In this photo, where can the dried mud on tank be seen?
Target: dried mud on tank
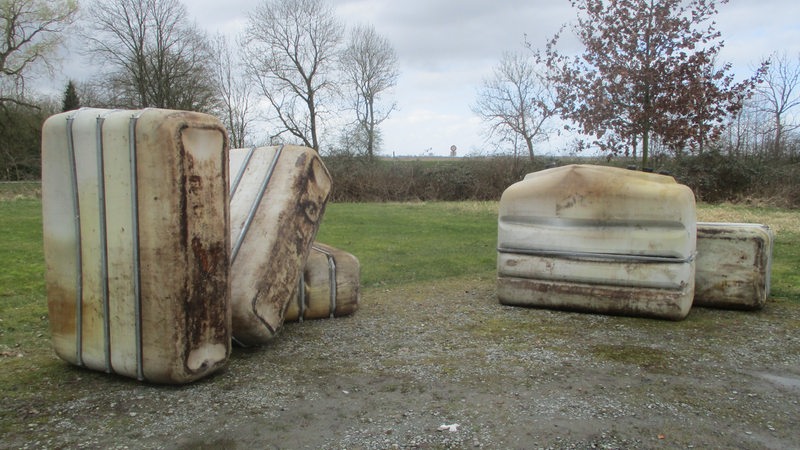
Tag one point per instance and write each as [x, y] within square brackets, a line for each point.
[418, 357]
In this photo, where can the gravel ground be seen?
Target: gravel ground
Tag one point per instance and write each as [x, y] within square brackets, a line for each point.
[444, 365]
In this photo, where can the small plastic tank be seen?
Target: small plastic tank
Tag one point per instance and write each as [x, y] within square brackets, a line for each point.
[330, 285]
[734, 261]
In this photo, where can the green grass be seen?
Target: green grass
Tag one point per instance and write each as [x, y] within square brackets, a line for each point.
[25, 353]
[409, 242]
[22, 302]
[786, 267]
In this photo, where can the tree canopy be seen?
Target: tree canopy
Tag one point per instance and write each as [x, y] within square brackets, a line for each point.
[649, 68]
[71, 100]
[32, 31]
[369, 64]
[517, 101]
[291, 52]
[153, 55]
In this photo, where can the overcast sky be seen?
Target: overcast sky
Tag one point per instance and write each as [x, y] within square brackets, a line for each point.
[446, 47]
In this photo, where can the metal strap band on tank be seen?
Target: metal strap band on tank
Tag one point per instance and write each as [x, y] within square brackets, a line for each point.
[76, 213]
[768, 245]
[332, 282]
[256, 203]
[239, 174]
[596, 256]
[331, 277]
[101, 203]
[137, 294]
[301, 298]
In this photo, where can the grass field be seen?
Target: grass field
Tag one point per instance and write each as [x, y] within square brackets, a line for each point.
[398, 244]
[22, 299]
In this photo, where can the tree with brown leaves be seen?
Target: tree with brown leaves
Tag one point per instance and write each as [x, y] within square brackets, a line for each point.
[648, 70]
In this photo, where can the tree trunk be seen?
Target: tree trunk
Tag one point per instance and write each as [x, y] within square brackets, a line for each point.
[778, 135]
[312, 118]
[370, 129]
[529, 144]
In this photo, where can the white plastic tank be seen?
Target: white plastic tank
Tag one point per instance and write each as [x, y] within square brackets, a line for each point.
[734, 261]
[278, 196]
[135, 207]
[598, 239]
[330, 285]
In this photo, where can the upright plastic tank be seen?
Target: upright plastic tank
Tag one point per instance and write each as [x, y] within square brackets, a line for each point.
[136, 247]
[734, 261]
[598, 239]
[278, 196]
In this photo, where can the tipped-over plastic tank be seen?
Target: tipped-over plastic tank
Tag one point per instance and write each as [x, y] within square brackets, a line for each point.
[330, 285]
[278, 196]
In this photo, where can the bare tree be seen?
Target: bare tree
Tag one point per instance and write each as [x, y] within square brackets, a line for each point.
[291, 48]
[156, 57]
[779, 95]
[369, 64]
[234, 92]
[516, 101]
[31, 32]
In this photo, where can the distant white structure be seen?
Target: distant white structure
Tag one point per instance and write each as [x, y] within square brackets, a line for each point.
[452, 151]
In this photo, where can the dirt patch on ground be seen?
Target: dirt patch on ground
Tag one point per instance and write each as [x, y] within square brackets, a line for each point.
[17, 190]
[443, 365]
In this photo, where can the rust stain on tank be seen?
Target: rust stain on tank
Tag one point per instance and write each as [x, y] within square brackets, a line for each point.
[195, 182]
[607, 300]
[205, 307]
[206, 300]
[569, 202]
[61, 310]
[207, 258]
[295, 234]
